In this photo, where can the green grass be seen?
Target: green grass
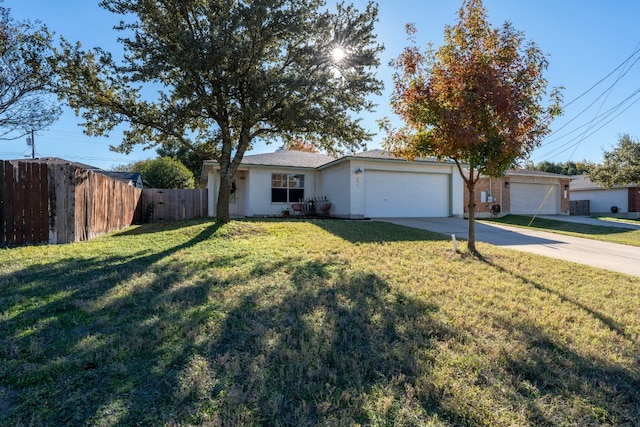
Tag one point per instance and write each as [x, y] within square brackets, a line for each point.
[624, 236]
[311, 323]
[635, 221]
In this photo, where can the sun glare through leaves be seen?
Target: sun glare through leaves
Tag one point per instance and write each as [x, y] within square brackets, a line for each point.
[338, 54]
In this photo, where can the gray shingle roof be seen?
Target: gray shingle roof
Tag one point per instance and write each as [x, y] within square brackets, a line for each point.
[126, 177]
[582, 182]
[530, 172]
[386, 155]
[289, 158]
[58, 161]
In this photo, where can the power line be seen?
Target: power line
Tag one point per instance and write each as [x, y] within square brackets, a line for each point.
[635, 52]
[602, 117]
[598, 118]
[622, 74]
[605, 92]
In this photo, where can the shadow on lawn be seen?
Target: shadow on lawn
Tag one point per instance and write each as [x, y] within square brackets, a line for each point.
[324, 354]
[316, 353]
[592, 391]
[161, 226]
[554, 369]
[58, 353]
[362, 232]
[604, 319]
[315, 343]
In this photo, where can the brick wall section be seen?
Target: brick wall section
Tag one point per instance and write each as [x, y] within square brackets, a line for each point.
[506, 195]
[494, 187]
[634, 199]
[500, 189]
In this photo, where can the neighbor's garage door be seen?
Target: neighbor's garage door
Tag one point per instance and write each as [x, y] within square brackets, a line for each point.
[527, 198]
[405, 194]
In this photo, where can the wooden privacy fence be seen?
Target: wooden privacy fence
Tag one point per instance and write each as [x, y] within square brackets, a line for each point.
[173, 205]
[103, 204]
[24, 203]
[61, 203]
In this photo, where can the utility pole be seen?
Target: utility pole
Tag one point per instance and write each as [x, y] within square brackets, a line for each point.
[32, 143]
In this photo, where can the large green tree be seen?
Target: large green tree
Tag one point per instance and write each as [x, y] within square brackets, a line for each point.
[227, 73]
[620, 166]
[26, 77]
[563, 168]
[163, 172]
[185, 155]
[476, 100]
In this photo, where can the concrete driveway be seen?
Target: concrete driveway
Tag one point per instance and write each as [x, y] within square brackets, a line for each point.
[610, 256]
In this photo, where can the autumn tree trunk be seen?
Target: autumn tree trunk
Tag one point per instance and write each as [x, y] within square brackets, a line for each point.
[477, 100]
[471, 230]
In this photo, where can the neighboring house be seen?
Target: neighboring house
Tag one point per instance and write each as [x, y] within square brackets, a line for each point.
[368, 184]
[59, 161]
[622, 199]
[521, 192]
[133, 179]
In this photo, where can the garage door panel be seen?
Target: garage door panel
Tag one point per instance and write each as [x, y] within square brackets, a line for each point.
[399, 194]
[528, 199]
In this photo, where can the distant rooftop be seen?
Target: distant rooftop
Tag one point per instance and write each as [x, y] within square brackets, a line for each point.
[582, 182]
[531, 172]
[132, 178]
[290, 158]
[57, 161]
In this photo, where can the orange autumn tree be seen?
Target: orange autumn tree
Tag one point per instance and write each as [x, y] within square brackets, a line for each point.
[299, 144]
[476, 101]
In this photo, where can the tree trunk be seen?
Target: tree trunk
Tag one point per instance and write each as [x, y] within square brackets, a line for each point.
[222, 204]
[471, 231]
[228, 168]
[224, 193]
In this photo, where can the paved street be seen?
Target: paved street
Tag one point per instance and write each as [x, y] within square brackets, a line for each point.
[610, 256]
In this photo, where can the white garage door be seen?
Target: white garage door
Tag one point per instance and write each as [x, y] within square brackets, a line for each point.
[527, 198]
[404, 194]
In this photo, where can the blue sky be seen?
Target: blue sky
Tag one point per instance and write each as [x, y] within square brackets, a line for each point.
[586, 41]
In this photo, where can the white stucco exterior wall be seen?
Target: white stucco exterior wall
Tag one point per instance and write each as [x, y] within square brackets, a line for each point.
[601, 200]
[334, 183]
[258, 192]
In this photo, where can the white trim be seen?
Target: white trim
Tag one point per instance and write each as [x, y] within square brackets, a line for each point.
[212, 192]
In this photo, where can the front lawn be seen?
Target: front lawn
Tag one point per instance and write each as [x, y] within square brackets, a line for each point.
[635, 221]
[311, 323]
[625, 236]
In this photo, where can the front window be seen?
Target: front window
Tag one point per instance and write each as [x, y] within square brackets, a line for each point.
[286, 187]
